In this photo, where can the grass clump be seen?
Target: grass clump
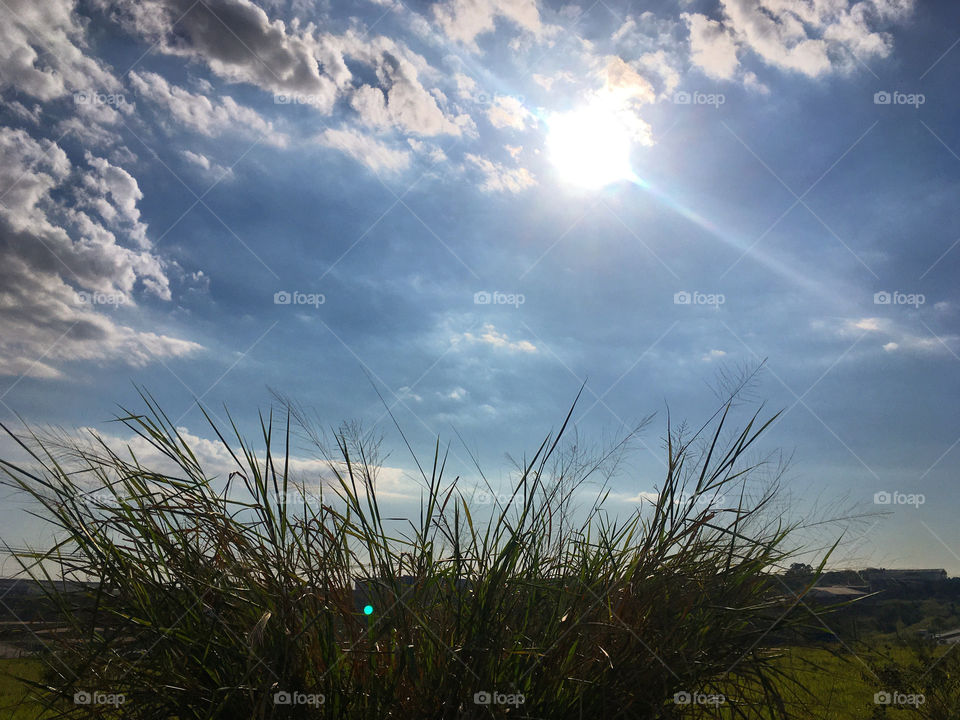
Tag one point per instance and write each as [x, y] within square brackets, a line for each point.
[224, 598]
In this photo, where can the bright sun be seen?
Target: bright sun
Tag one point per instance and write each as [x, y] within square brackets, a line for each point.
[590, 146]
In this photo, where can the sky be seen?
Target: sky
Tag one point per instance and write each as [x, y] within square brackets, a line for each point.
[473, 207]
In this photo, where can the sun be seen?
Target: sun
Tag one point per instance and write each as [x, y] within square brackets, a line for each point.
[590, 146]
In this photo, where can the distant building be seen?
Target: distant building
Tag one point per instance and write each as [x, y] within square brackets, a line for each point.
[879, 576]
[950, 637]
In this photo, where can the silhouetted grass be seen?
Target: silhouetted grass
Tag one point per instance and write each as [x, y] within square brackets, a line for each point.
[209, 596]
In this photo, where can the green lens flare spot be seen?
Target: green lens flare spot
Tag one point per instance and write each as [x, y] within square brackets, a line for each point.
[368, 609]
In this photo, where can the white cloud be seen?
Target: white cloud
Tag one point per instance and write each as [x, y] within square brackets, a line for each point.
[508, 111]
[210, 168]
[367, 150]
[712, 47]
[490, 336]
[434, 153]
[713, 355]
[498, 177]
[239, 43]
[61, 235]
[200, 113]
[464, 20]
[458, 393]
[899, 337]
[41, 51]
[811, 38]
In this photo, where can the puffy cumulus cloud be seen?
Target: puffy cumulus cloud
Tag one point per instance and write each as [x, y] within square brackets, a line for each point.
[813, 38]
[496, 177]
[200, 113]
[114, 193]
[42, 51]
[400, 100]
[238, 42]
[64, 247]
[368, 150]
[489, 335]
[712, 47]
[508, 111]
[625, 84]
[464, 20]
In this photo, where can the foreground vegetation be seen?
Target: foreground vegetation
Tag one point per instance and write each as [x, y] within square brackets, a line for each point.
[226, 598]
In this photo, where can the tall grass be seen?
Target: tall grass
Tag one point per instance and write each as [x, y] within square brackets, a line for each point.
[210, 596]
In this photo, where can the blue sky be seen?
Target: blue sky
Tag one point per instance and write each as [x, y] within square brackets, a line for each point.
[174, 170]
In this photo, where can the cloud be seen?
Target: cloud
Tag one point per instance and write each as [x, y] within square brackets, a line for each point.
[308, 474]
[41, 51]
[239, 43]
[65, 237]
[464, 20]
[898, 337]
[547, 81]
[368, 150]
[811, 38]
[200, 113]
[210, 168]
[713, 47]
[400, 100]
[490, 336]
[713, 355]
[507, 111]
[499, 178]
